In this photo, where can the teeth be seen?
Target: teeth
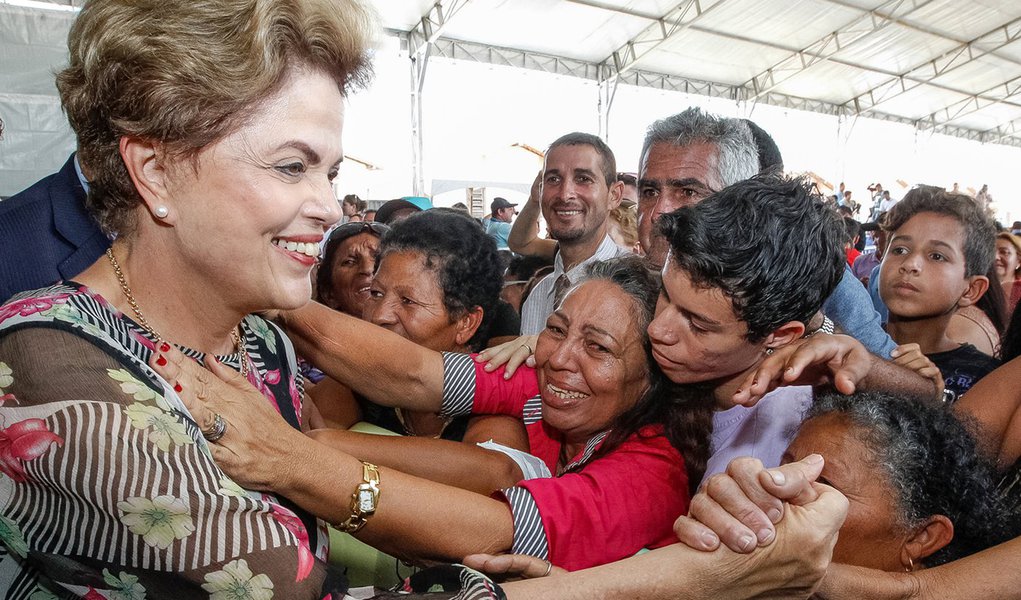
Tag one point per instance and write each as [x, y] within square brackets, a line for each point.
[306, 248]
[564, 394]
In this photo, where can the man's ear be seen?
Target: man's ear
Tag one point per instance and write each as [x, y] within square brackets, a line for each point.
[467, 325]
[785, 334]
[929, 537]
[144, 162]
[977, 285]
[616, 193]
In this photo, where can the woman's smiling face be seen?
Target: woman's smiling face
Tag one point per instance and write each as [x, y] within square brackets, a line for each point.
[591, 361]
[251, 209]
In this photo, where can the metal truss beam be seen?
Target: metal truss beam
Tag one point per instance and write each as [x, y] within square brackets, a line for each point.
[929, 70]
[430, 27]
[509, 57]
[680, 18]
[833, 59]
[1007, 133]
[827, 46]
[1004, 92]
[522, 59]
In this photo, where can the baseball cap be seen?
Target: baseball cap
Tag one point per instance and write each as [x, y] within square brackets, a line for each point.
[416, 203]
[499, 203]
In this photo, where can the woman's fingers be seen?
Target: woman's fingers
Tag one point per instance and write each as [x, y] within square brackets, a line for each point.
[740, 494]
[695, 535]
[793, 482]
[187, 377]
[740, 507]
[509, 355]
[767, 377]
[513, 565]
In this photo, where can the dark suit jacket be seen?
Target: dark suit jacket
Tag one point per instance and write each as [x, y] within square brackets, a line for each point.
[46, 234]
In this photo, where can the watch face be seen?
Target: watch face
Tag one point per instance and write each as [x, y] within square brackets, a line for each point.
[365, 501]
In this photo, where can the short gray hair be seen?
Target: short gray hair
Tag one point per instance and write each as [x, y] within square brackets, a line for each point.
[738, 155]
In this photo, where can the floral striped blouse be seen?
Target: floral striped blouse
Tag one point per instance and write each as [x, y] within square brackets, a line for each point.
[107, 487]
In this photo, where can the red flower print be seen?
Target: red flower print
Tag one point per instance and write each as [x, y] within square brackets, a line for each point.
[293, 524]
[292, 388]
[24, 440]
[30, 306]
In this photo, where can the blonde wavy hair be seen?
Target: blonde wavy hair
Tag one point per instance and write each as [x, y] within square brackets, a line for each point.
[186, 73]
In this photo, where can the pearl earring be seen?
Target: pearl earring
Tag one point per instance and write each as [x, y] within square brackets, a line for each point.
[162, 211]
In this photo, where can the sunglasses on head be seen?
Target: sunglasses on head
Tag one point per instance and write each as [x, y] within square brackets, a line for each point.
[354, 228]
[628, 178]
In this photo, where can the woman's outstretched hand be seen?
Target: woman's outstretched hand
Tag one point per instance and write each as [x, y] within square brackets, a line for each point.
[257, 449]
[511, 566]
[509, 355]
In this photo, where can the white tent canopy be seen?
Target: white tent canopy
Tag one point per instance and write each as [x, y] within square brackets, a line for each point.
[944, 66]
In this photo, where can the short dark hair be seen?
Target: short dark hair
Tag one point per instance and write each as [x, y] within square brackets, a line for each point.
[578, 138]
[463, 257]
[931, 461]
[979, 230]
[769, 243]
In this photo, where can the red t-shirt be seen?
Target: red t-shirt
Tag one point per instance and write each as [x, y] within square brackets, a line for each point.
[598, 510]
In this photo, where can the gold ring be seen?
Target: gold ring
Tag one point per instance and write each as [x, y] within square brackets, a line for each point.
[530, 351]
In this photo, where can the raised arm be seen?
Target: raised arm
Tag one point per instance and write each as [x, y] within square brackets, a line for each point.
[466, 466]
[839, 360]
[524, 235]
[372, 361]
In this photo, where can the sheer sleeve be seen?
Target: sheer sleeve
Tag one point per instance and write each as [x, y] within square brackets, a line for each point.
[108, 487]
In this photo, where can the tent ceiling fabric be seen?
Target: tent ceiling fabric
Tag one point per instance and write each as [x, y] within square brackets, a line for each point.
[949, 65]
[953, 66]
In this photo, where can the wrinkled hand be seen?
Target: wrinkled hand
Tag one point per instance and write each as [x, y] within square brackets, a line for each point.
[822, 359]
[510, 355]
[741, 506]
[511, 566]
[255, 449]
[794, 564]
[793, 541]
[910, 356]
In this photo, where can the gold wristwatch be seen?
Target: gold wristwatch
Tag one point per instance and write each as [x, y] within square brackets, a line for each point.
[364, 500]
